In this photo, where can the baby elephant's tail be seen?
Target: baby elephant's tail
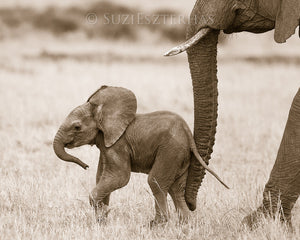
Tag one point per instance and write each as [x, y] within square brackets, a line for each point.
[197, 155]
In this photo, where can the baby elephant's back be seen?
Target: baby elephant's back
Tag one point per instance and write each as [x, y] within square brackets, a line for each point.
[158, 130]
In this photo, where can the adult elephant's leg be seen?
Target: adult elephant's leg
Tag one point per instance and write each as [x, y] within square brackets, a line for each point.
[283, 185]
[290, 196]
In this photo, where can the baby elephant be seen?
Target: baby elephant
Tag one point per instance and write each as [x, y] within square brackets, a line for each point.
[159, 144]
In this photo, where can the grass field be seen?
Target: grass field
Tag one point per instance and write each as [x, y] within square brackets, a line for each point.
[43, 77]
[43, 197]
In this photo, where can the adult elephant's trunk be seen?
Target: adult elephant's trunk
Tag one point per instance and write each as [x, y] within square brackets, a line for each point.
[59, 149]
[203, 66]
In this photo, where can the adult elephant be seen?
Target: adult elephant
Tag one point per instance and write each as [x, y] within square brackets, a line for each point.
[207, 19]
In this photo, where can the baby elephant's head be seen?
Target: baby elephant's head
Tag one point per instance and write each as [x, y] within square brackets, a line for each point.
[109, 109]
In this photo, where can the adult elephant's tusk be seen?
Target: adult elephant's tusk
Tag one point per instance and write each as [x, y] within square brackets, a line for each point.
[189, 43]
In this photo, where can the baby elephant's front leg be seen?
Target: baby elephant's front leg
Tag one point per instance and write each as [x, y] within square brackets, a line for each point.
[103, 206]
[106, 185]
[115, 175]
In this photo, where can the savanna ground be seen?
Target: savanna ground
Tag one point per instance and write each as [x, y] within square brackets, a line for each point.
[43, 77]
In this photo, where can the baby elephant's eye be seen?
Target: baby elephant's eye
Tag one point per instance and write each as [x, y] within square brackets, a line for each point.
[77, 128]
[76, 125]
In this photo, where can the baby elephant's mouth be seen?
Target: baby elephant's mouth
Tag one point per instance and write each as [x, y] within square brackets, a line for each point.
[70, 145]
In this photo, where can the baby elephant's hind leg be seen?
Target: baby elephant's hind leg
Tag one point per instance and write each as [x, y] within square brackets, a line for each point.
[160, 194]
[177, 193]
[160, 179]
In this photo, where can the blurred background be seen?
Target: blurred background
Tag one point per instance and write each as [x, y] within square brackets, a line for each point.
[54, 54]
[52, 29]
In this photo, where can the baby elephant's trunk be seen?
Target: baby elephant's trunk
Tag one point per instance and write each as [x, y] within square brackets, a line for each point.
[59, 149]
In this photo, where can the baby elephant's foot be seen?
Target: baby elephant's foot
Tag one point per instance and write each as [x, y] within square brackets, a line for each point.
[101, 219]
[183, 219]
[158, 222]
[101, 213]
[101, 210]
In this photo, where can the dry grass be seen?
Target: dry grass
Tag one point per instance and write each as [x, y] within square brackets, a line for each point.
[42, 197]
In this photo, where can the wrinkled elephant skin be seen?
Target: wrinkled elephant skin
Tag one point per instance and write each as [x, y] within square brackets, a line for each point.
[230, 16]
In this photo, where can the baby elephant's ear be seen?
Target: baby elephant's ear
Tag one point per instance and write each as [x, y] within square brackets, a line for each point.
[115, 109]
[287, 20]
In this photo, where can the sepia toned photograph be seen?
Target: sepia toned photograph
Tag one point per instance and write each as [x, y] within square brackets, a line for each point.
[176, 120]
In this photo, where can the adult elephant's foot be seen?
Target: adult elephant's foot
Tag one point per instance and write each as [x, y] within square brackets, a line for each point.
[277, 202]
[254, 218]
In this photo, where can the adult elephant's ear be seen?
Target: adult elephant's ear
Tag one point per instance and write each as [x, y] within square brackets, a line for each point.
[114, 110]
[287, 20]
